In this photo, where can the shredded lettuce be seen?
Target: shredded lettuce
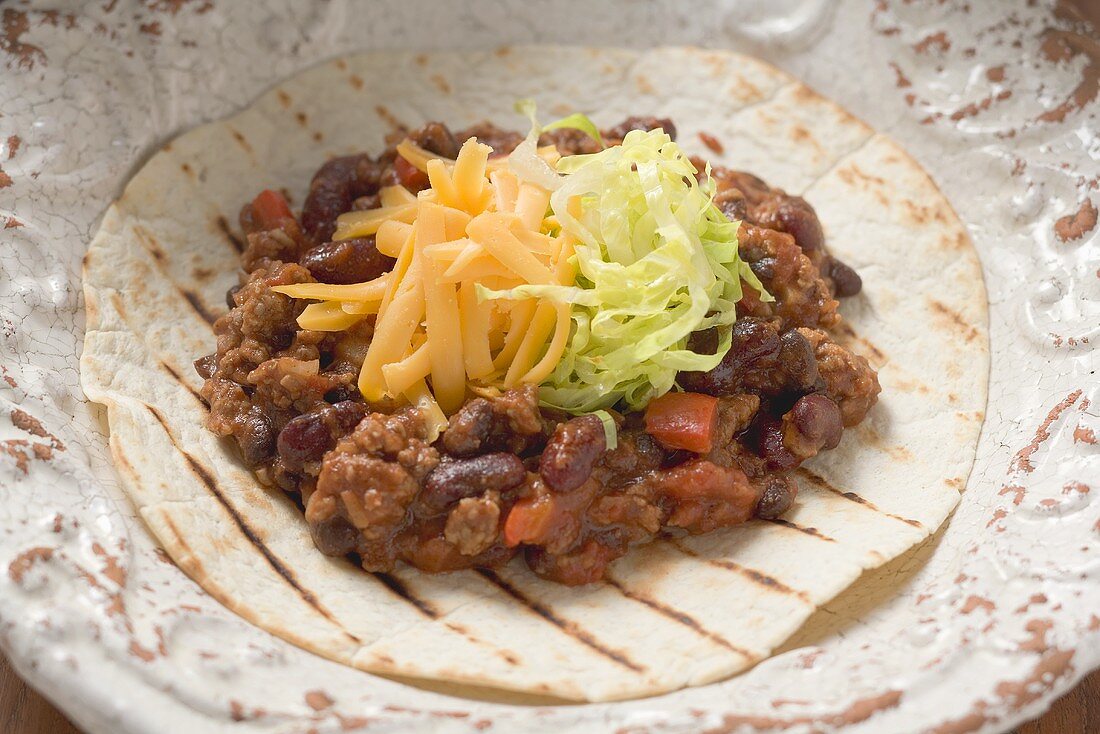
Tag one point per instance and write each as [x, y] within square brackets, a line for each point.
[577, 121]
[610, 430]
[656, 261]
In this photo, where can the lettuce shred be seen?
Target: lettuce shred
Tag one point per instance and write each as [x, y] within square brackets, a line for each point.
[656, 261]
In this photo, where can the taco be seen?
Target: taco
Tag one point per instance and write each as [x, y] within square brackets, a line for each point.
[586, 412]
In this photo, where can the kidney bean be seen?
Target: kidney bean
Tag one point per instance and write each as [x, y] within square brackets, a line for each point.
[469, 428]
[641, 123]
[334, 187]
[732, 203]
[409, 176]
[764, 268]
[437, 138]
[309, 436]
[796, 217]
[334, 536]
[813, 424]
[846, 281]
[572, 452]
[205, 366]
[256, 437]
[347, 261]
[753, 341]
[229, 296]
[796, 356]
[451, 481]
[779, 493]
[765, 435]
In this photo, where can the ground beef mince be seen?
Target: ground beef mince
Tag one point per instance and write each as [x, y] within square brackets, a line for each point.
[507, 477]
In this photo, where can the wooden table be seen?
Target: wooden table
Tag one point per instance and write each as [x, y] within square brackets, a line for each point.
[22, 711]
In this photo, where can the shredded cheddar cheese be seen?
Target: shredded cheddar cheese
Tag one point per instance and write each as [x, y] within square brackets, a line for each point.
[434, 340]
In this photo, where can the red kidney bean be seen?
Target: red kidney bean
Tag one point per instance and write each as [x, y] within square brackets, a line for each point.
[641, 123]
[846, 281]
[572, 452]
[779, 493]
[347, 261]
[334, 536]
[309, 436]
[255, 436]
[766, 436]
[796, 357]
[753, 341]
[453, 480]
[732, 203]
[437, 138]
[816, 419]
[409, 176]
[334, 187]
[469, 428]
[229, 296]
[796, 217]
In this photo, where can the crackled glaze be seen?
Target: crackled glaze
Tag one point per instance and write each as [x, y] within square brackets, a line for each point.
[978, 628]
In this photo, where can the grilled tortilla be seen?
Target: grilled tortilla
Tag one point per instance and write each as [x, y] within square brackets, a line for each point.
[673, 613]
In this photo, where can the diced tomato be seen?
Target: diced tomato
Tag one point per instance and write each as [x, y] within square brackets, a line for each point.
[683, 420]
[530, 521]
[536, 519]
[270, 209]
[409, 176]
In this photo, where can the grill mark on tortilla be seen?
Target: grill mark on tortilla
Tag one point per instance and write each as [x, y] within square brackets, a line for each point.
[577, 633]
[179, 378]
[757, 577]
[680, 618]
[954, 319]
[846, 329]
[204, 476]
[230, 235]
[153, 248]
[399, 589]
[198, 305]
[821, 482]
[812, 532]
[506, 655]
[241, 139]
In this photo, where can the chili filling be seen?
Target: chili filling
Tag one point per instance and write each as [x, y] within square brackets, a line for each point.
[507, 477]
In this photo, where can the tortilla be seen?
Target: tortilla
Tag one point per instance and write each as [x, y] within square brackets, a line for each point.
[674, 613]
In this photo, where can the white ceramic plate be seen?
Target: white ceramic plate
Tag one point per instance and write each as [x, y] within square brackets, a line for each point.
[977, 629]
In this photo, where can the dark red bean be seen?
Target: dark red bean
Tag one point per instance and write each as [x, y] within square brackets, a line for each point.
[436, 138]
[347, 261]
[732, 203]
[453, 480]
[766, 437]
[641, 123]
[334, 536]
[309, 436]
[469, 428]
[764, 268]
[572, 452]
[797, 218]
[779, 493]
[409, 176]
[753, 341]
[796, 356]
[205, 366]
[255, 436]
[333, 189]
[846, 281]
[818, 424]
